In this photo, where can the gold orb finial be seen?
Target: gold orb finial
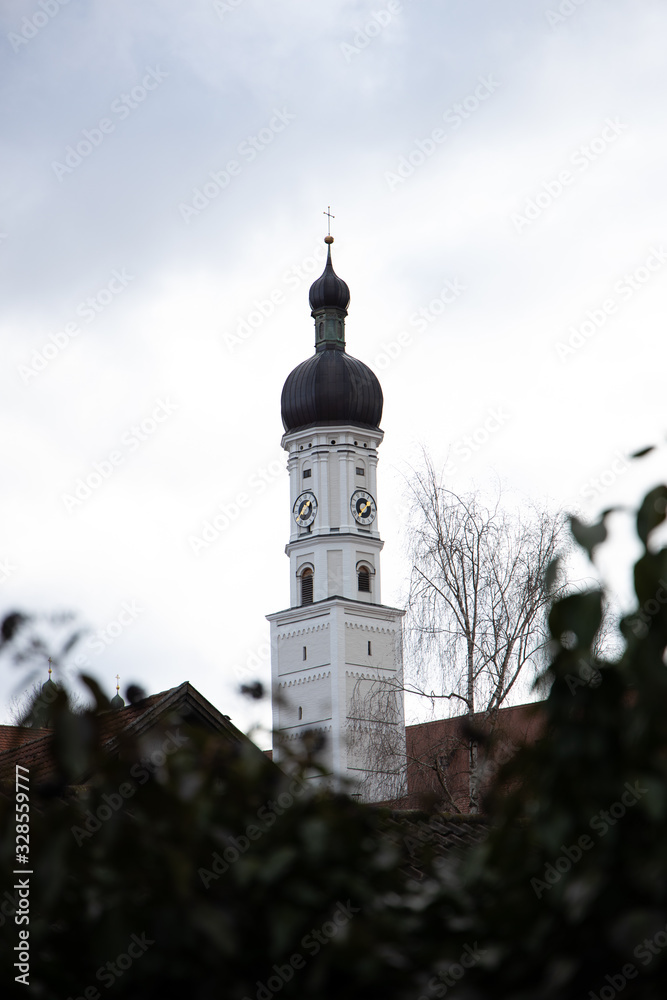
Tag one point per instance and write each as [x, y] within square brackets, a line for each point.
[328, 239]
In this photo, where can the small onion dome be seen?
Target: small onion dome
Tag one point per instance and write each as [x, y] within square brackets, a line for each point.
[329, 291]
[117, 701]
[331, 388]
[50, 689]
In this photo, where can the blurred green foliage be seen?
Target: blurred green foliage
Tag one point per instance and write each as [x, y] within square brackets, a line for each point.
[219, 876]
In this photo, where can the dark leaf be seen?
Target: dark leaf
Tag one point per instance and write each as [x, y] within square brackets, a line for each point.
[72, 641]
[551, 573]
[101, 699]
[588, 535]
[255, 690]
[643, 451]
[11, 624]
[134, 693]
[652, 512]
[577, 615]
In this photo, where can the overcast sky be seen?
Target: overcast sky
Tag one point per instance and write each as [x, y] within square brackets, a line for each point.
[497, 176]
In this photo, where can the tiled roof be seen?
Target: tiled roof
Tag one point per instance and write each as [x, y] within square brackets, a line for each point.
[113, 722]
[34, 750]
[13, 736]
[447, 836]
[35, 755]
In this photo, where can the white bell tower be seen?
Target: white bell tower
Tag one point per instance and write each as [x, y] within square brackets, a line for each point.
[336, 652]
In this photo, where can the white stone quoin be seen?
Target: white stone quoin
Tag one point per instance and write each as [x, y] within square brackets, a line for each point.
[336, 652]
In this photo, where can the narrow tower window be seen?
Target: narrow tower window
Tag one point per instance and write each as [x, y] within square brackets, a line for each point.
[307, 586]
[300, 713]
[364, 581]
[307, 473]
[305, 653]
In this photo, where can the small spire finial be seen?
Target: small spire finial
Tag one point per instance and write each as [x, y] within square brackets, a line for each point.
[50, 668]
[117, 683]
[328, 238]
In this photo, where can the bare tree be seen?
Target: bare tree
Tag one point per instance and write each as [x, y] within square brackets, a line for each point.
[478, 602]
[376, 736]
[476, 633]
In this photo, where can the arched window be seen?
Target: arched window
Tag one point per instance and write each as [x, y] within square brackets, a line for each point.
[300, 713]
[320, 331]
[307, 586]
[364, 579]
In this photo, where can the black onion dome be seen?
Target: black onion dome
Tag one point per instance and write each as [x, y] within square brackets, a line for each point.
[329, 291]
[331, 388]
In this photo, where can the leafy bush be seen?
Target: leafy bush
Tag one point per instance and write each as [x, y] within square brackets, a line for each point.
[215, 875]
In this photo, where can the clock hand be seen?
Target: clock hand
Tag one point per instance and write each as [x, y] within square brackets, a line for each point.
[304, 509]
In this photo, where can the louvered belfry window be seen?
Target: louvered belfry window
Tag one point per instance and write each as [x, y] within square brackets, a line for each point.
[307, 586]
[364, 580]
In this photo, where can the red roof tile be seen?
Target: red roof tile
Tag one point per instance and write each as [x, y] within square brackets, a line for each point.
[13, 736]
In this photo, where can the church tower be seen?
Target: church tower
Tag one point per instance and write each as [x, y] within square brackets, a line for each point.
[336, 652]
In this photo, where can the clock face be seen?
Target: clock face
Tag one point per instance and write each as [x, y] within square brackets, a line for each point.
[305, 509]
[363, 507]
